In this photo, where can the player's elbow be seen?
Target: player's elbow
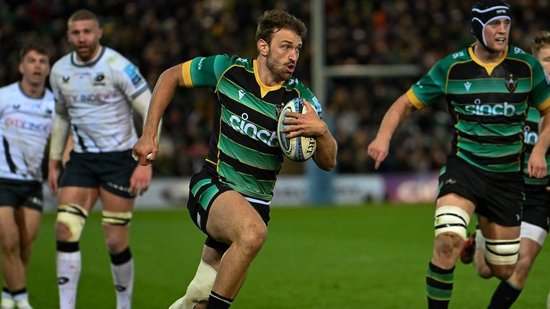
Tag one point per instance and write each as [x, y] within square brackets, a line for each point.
[328, 164]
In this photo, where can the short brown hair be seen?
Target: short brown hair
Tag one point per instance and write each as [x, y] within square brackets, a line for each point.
[275, 20]
[83, 15]
[540, 40]
[37, 47]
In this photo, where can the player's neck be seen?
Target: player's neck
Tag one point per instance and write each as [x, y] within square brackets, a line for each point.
[32, 90]
[487, 56]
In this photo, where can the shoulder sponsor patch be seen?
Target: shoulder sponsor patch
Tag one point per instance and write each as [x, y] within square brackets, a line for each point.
[133, 74]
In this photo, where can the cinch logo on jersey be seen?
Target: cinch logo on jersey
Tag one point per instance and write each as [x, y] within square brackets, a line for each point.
[31, 126]
[241, 125]
[529, 138]
[479, 109]
[89, 97]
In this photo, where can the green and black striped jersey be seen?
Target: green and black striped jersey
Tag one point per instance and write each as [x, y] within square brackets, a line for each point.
[488, 103]
[530, 137]
[244, 151]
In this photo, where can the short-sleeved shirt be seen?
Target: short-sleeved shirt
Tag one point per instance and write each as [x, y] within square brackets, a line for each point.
[488, 103]
[244, 151]
[25, 126]
[97, 97]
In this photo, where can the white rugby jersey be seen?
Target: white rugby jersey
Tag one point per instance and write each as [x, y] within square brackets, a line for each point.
[25, 126]
[97, 97]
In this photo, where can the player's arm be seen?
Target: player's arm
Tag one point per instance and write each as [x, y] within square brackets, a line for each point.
[58, 142]
[325, 154]
[163, 92]
[537, 166]
[398, 111]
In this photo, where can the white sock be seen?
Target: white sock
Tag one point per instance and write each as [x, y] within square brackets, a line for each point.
[22, 301]
[7, 301]
[69, 266]
[123, 279]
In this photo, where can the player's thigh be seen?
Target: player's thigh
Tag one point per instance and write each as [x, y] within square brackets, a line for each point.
[231, 216]
[116, 203]
[84, 197]
[493, 230]
[116, 216]
[8, 227]
[529, 249]
[29, 223]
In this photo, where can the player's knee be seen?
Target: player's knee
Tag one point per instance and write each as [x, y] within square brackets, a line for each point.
[253, 238]
[70, 222]
[503, 272]
[451, 220]
[502, 256]
[116, 218]
[116, 241]
[10, 245]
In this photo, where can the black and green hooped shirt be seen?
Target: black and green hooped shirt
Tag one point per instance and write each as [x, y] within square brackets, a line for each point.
[488, 103]
[244, 151]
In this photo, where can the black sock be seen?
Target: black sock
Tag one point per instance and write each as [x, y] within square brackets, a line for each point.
[439, 286]
[216, 301]
[505, 295]
[122, 257]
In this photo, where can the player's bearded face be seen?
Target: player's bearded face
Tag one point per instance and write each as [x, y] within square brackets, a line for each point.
[283, 54]
[84, 36]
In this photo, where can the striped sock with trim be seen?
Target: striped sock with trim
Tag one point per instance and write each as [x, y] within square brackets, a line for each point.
[439, 286]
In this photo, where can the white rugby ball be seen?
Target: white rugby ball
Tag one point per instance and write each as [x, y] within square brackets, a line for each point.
[299, 148]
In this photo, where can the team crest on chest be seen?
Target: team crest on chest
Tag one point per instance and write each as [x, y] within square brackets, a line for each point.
[278, 109]
[511, 83]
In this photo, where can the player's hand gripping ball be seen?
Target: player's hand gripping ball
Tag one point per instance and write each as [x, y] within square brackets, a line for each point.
[299, 148]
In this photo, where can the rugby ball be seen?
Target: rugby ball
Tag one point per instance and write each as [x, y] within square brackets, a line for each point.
[299, 148]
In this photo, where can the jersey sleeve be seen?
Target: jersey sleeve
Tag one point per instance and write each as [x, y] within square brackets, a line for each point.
[541, 88]
[128, 78]
[430, 88]
[60, 107]
[205, 71]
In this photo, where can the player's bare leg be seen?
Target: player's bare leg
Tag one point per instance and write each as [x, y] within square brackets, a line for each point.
[503, 242]
[234, 221]
[28, 222]
[452, 217]
[532, 239]
[74, 205]
[12, 266]
[116, 217]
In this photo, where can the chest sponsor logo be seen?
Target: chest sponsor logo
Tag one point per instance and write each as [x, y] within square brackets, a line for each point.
[243, 126]
[480, 109]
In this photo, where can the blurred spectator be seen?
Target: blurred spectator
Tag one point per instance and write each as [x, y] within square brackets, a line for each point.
[158, 34]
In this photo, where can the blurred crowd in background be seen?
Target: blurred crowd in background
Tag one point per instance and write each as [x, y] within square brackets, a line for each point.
[156, 35]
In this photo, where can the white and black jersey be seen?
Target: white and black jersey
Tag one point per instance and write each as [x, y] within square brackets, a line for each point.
[25, 125]
[97, 98]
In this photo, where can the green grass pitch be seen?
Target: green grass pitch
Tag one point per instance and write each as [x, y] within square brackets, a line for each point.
[326, 257]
